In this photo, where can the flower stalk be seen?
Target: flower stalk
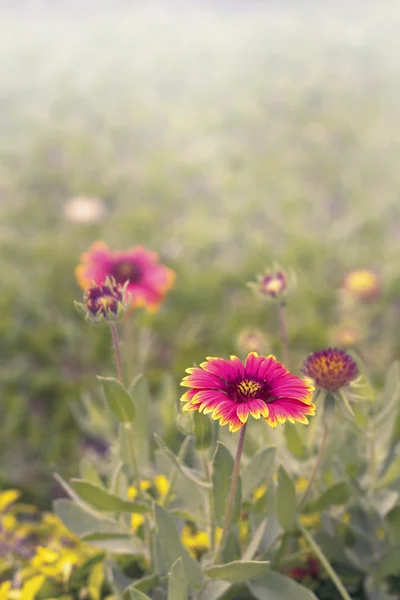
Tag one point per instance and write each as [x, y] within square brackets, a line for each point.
[325, 562]
[317, 464]
[284, 333]
[117, 352]
[231, 497]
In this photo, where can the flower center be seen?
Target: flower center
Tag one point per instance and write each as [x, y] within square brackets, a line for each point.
[248, 387]
[243, 390]
[126, 271]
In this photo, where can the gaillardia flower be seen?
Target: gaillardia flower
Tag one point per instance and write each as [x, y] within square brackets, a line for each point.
[330, 369]
[261, 387]
[363, 284]
[147, 280]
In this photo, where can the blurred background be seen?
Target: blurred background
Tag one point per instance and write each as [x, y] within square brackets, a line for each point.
[224, 136]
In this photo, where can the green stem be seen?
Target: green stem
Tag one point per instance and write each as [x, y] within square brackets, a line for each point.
[231, 497]
[128, 426]
[284, 333]
[282, 549]
[324, 562]
[316, 466]
[117, 351]
[211, 520]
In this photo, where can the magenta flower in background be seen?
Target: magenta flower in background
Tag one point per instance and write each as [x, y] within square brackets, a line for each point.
[148, 280]
[261, 387]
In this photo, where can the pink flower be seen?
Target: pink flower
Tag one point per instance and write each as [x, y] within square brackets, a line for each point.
[261, 387]
[148, 281]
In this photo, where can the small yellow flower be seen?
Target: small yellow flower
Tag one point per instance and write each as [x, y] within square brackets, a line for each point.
[259, 492]
[136, 521]
[31, 587]
[7, 498]
[195, 542]
[9, 522]
[162, 485]
[243, 529]
[145, 484]
[346, 518]
[301, 484]
[380, 534]
[5, 588]
[310, 520]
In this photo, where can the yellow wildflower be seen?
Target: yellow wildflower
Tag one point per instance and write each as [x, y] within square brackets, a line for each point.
[301, 484]
[7, 498]
[259, 492]
[162, 485]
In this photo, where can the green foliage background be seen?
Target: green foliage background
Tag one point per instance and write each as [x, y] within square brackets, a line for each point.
[225, 138]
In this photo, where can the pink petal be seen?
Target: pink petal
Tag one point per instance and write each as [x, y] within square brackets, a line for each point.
[257, 408]
[209, 400]
[291, 386]
[242, 412]
[292, 410]
[271, 369]
[220, 367]
[199, 378]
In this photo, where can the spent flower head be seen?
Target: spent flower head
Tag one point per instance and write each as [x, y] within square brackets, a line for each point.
[274, 284]
[362, 284]
[330, 369]
[104, 302]
[251, 339]
[261, 387]
[147, 281]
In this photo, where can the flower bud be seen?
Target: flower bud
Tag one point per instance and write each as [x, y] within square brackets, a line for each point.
[103, 302]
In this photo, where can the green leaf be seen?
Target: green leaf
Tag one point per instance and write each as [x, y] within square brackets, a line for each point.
[390, 396]
[389, 564]
[172, 548]
[102, 500]
[286, 500]
[274, 586]
[255, 541]
[135, 594]
[82, 523]
[215, 590]
[393, 520]
[222, 471]
[202, 430]
[116, 544]
[335, 495]
[237, 571]
[257, 470]
[146, 583]
[181, 468]
[87, 471]
[294, 442]
[118, 399]
[177, 583]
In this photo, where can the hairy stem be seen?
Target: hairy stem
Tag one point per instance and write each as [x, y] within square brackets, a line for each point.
[324, 562]
[231, 497]
[314, 472]
[284, 333]
[117, 352]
